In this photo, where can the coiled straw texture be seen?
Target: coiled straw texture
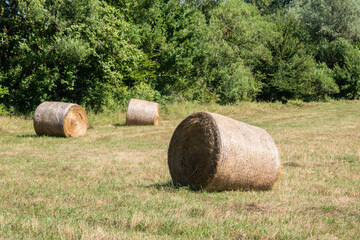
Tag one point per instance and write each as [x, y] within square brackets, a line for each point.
[213, 152]
[142, 112]
[60, 119]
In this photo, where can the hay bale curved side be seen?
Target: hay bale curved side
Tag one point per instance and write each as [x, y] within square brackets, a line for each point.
[142, 112]
[60, 119]
[213, 152]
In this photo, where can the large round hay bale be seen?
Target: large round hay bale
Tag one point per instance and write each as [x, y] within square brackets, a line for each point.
[60, 119]
[213, 152]
[142, 112]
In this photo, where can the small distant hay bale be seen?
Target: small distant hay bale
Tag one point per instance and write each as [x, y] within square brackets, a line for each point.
[60, 119]
[213, 152]
[142, 112]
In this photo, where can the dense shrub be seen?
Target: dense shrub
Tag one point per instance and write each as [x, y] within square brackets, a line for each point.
[77, 51]
[342, 58]
[3, 92]
[101, 53]
[289, 71]
[330, 19]
[347, 75]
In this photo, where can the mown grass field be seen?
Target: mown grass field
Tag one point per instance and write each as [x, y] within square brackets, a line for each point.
[114, 182]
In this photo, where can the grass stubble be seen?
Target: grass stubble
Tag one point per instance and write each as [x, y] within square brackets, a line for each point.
[114, 182]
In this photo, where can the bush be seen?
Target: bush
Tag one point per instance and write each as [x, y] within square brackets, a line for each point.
[76, 51]
[3, 92]
[330, 19]
[290, 71]
[236, 84]
[348, 75]
[234, 44]
[323, 84]
[332, 52]
[344, 60]
[145, 92]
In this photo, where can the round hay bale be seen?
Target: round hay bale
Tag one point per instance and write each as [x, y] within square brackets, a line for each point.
[142, 112]
[60, 119]
[213, 152]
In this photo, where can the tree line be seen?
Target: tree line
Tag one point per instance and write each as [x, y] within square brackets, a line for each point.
[101, 53]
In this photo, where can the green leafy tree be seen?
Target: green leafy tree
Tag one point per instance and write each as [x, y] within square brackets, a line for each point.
[182, 58]
[268, 7]
[205, 5]
[290, 71]
[330, 19]
[236, 37]
[345, 61]
[342, 58]
[79, 51]
[335, 27]
[202, 59]
[260, 4]
[3, 92]
[348, 77]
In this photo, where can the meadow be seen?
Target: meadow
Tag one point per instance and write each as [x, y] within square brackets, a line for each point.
[114, 182]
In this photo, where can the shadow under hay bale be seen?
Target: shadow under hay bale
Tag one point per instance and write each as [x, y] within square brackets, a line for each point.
[142, 112]
[116, 125]
[166, 186]
[213, 152]
[60, 119]
[28, 135]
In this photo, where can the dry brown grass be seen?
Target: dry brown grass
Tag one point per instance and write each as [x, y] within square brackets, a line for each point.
[113, 183]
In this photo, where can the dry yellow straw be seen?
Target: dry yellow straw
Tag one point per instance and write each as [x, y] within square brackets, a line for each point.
[213, 152]
[60, 119]
[142, 112]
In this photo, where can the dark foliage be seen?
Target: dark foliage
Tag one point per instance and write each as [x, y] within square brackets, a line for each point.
[100, 53]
